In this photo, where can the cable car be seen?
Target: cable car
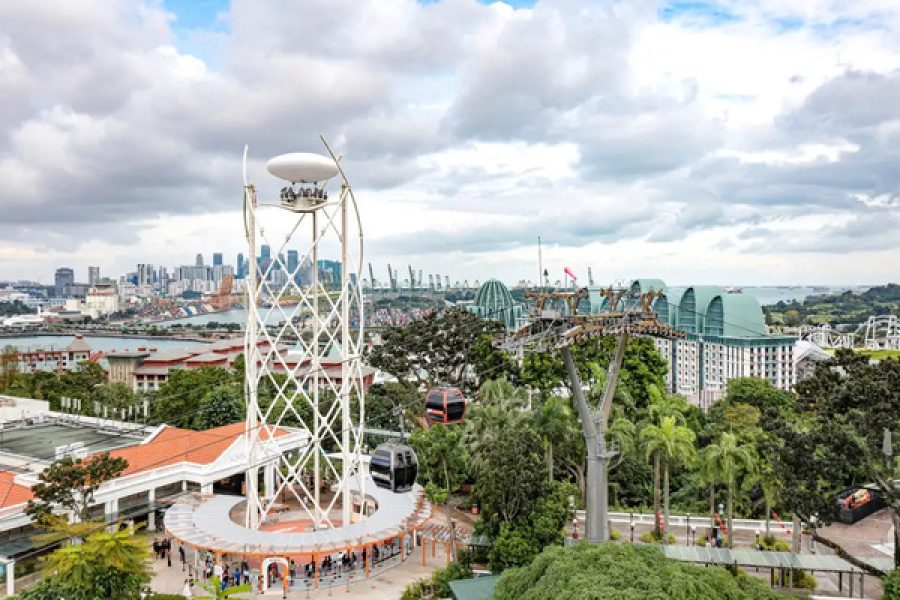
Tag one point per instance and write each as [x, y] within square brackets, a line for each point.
[445, 405]
[394, 467]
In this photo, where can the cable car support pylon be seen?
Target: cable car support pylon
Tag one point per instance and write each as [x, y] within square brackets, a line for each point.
[555, 324]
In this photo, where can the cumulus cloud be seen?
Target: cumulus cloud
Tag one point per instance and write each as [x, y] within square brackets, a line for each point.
[467, 128]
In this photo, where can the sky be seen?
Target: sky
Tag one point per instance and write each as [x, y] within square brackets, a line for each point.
[734, 142]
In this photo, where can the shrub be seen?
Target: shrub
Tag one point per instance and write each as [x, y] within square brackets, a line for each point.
[770, 542]
[701, 541]
[614, 535]
[802, 579]
[891, 585]
[623, 571]
[651, 537]
[417, 590]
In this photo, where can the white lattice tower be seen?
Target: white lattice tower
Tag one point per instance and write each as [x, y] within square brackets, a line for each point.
[882, 332]
[303, 347]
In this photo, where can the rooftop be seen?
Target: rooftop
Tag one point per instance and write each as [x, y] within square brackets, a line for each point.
[41, 441]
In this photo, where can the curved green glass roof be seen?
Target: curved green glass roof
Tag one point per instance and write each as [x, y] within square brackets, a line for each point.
[693, 305]
[639, 286]
[492, 293]
[493, 301]
[734, 315]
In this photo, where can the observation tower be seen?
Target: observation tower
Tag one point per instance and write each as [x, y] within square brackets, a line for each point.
[305, 395]
[303, 342]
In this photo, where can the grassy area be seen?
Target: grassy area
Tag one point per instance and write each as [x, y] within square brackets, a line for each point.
[876, 354]
[881, 354]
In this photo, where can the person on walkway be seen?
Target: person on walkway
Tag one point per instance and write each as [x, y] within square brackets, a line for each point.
[156, 549]
[181, 556]
[168, 551]
[186, 590]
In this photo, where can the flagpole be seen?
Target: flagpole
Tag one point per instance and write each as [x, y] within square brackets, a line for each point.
[540, 279]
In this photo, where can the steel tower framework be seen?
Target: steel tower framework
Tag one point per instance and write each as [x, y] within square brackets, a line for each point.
[303, 344]
[556, 324]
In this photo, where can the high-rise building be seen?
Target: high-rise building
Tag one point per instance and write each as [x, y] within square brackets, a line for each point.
[239, 271]
[145, 274]
[725, 338]
[199, 262]
[292, 261]
[217, 259]
[330, 272]
[93, 275]
[65, 276]
[265, 253]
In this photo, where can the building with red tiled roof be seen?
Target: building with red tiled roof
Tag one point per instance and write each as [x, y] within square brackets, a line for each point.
[167, 462]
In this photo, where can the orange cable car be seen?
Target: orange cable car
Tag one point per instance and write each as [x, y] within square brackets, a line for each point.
[445, 405]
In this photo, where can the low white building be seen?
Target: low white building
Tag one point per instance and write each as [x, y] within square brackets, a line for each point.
[163, 463]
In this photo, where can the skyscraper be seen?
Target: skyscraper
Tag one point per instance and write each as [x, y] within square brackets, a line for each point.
[64, 276]
[199, 262]
[93, 275]
[239, 271]
[292, 265]
[217, 259]
[265, 253]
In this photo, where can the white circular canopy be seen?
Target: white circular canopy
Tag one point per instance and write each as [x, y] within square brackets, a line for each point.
[302, 167]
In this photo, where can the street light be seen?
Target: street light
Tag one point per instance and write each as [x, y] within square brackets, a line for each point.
[693, 534]
[687, 529]
[812, 534]
[632, 530]
[758, 546]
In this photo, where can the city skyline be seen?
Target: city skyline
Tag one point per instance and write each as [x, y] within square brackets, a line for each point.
[748, 143]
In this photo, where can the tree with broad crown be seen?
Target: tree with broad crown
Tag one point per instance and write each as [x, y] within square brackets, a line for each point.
[623, 572]
[70, 483]
[222, 405]
[439, 350]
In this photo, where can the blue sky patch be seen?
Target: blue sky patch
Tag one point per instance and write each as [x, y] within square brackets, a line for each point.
[701, 13]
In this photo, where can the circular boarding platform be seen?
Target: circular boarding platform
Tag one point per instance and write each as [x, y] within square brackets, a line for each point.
[204, 523]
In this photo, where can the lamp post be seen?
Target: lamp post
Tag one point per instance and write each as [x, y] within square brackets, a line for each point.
[632, 530]
[687, 530]
[812, 533]
[758, 546]
[693, 534]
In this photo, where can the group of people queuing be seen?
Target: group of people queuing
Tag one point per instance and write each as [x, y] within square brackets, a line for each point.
[162, 550]
[237, 573]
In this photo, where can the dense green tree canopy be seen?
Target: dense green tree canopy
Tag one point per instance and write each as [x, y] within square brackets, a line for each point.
[70, 483]
[449, 349]
[623, 572]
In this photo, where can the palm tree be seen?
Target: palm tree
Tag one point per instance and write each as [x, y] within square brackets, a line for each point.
[668, 443]
[214, 587]
[555, 422]
[500, 391]
[118, 550]
[769, 485]
[725, 461]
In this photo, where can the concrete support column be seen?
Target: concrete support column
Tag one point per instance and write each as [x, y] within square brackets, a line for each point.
[151, 516]
[110, 508]
[184, 486]
[206, 489]
[11, 578]
[269, 479]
